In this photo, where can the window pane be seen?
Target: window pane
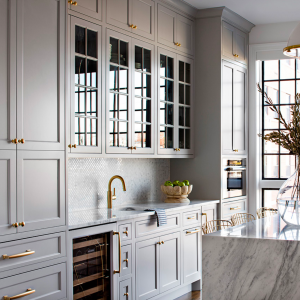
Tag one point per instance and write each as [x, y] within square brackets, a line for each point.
[147, 61]
[287, 165]
[92, 43]
[297, 68]
[270, 147]
[287, 69]
[79, 40]
[271, 70]
[287, 92]
[286, 113]
[271, 163]
[138, 57]
[114, 50]
[269, 198]
[269, 121]
[272, 88]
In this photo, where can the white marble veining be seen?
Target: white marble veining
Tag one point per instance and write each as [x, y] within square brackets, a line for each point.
[255, 261]
[92, 217]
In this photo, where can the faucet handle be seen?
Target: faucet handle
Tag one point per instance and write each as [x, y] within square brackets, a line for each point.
[114, 197]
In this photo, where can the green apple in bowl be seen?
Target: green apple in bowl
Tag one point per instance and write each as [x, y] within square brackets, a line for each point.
[176, 182]
[181, 184]
[186, 182]
[168, 183]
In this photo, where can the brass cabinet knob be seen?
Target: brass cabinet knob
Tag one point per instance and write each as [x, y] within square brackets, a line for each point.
[159, 243]
[235, 55]
[125, 260]
[132, 148]
[21, 141]
[72, 2]
[14, 141]
[235, 150]
[177, 149]
[22, 224]
[15, 225]
[126, 294]
[178, 44]
[72, 146]
[162, 242]
[125, 232]
[133, 26]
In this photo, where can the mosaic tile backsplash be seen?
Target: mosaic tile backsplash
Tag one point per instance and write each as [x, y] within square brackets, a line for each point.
[88, 181]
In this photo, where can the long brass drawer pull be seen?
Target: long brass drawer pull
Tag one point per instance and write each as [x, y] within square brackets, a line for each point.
[191, 232]
[235, 208]
[28, 292]
[191, 218]
[28, 252]
[115, 271]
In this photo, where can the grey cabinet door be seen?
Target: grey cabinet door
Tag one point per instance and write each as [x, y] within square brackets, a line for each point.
[7, 191]
[166, 26]
[228, 40]
[8, 130]
[143, 12]
[91, 8]
[41, 189]
[119, 13]
[239, 110]
[169, 258]
[184, 34]
[191, 255]
[147, 272]
[241, 46]
[40, 74]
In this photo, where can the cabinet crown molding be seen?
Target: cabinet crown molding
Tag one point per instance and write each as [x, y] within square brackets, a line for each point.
[181, 7]
[227, 15]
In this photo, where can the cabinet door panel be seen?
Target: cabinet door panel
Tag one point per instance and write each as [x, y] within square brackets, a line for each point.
[166, 28]
[185, 34]
[147, 264]
[227, 102]
[7, 191]
[240, 46]
[41, 192]
[228, 40]
[40, 74]
[91, 8]
[239, 131]
[143, 17]
[118, 13]
[8, 130]
[169, 261]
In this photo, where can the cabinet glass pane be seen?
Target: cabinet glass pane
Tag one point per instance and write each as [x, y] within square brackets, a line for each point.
[147, 61]
[170, 114]
[170, 67]
[181, 93]
[187, 139]
[113, 133]
[163, 109]
[123, 53]
[138, 58]
[79, 40]
[181, 138]
[123, 107]
[170, 91]
[113, 106]
[123, 80]
[91, 132]
[138, 114]
[166, 137]
[113, 78]
[138, 84]
[92, 43]
[169, 137]
[163, 64]
[187, 95]
[123, 135]
[80, 131]
[163, 90]
[181, 116]
[79, 101]
[79, 70]
[187, 117]
[146, 110]
[181, 71]
[187, 73]
[147, 85]
[114, 51]
[138, 135]
[91, 73]
[92, 102]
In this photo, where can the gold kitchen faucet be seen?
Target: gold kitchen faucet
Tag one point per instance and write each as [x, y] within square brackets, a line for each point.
[111, 197]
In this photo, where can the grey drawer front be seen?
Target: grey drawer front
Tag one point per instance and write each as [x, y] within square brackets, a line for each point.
[191, 217]
[126, 266]
[149, 226]
[231, 208]
[49, 284]
[125, 292]
[126, 232]
[45, 247]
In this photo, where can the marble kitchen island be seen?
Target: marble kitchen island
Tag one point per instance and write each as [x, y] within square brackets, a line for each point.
[254, 261]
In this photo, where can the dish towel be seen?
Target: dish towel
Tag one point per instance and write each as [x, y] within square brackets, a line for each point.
[160, 215]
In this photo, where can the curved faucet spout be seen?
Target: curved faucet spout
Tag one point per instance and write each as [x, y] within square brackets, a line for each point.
[111, 197]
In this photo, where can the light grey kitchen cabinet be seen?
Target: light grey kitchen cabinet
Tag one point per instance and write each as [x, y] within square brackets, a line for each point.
[234, 43]
[86, 97]
[233, 207]
[130, 90]
[191, 254]
[234, 86]
[174, 30]
[125, 290]
[8, 181]
[40, 190]
[91, 8]
[209, 212]
[175, 84]
[40, 74]
[136, 16]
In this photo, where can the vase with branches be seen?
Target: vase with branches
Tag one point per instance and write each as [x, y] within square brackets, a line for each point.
[288, 198]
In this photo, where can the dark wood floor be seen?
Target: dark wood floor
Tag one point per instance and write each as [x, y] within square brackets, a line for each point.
[190, 296]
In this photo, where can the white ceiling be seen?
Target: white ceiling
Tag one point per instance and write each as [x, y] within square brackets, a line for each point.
[256, 11]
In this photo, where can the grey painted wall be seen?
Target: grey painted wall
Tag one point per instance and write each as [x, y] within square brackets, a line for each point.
[88, 181]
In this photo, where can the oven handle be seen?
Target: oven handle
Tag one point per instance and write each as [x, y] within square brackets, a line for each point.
[234, 169]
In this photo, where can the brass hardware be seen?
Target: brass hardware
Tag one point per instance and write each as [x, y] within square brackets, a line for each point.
[235, 208]
[72, 146]
[109, 194]
[22, 224]
[125, 232]
[21, 141]
[235, 55]
[126, 260]
[28, 252]
[133, 26]
[190, 218]
[115, 271]
[132, 148]
[235, 150]
[177, 149]
[72, 2]
[28, 292]
[204, 214]
[191, 232]
[159, 243]
[15, 141]
[126, 294]
[114, 197]
[178, 44]
[162, 242]
[15, 225]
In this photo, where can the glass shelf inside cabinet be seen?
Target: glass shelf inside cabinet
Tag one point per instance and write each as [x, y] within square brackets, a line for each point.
[91, 264]
[86, 86]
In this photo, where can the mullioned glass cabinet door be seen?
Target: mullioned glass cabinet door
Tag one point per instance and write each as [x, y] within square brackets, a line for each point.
[85, 87]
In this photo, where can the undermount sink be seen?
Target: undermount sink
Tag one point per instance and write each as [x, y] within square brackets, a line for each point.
[127, 209]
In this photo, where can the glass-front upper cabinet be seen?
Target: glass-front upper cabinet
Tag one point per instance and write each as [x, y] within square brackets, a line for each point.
[85, 87]
[130, 104]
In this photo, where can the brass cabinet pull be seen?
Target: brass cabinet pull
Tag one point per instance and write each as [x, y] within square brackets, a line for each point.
[235, 150]
[235, 208]
[159, 243]
[15, 225]
[133, 26]
[177, 149]
[132, 148]
[72, 146]
[125, 232]
[191, 232]
[125, 260]
[28, 252]
[22, 224]
[178, 44]
[28, 292]
[21, 141]
[126, 294]
[235, 55]
[72, 2]
[14, 141]
[115, 271]
[191, 218]
[162, 242]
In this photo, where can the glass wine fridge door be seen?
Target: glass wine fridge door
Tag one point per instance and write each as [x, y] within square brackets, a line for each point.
[92, 267]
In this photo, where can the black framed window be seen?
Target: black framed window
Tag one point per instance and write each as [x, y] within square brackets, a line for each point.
[269, 196]
[281, 81]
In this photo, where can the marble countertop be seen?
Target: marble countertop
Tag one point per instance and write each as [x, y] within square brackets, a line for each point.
[92, 217]
[273, 228]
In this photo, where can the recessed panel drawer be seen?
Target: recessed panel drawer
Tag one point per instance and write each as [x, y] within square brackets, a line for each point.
[231, 208]
[125, 292]
[191, 217]
[32, 250]
[126, 260]
[149, 225]
[126, 232]
[42, 284]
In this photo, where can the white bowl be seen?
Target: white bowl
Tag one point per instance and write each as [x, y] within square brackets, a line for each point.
[177, 194]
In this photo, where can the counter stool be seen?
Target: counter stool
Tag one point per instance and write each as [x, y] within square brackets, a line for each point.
[241, 218]
[266, 212]
[215, 225]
